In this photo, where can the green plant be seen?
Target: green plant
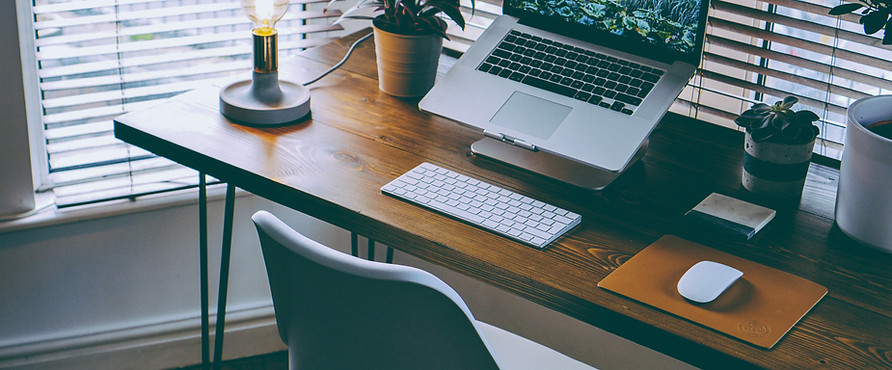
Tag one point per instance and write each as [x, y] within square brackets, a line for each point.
[409, 17]
[874, 17]
[779, 122]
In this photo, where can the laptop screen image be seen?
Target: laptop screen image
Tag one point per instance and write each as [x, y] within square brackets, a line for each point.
[669, 26]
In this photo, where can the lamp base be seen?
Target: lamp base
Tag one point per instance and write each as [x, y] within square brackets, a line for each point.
[246, 103]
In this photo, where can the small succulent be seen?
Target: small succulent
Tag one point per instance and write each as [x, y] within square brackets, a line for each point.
[779, 122]
[874, 18]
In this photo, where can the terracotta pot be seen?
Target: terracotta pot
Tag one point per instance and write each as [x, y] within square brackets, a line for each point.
[407, 64]
[775, 170]
[863, 197]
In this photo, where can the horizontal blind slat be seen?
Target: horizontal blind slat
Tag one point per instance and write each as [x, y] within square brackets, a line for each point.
[803, 44]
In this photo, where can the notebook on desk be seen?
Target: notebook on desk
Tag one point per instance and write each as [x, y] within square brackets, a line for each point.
[580, 81]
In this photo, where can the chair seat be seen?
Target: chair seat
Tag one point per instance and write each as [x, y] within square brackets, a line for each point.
[516, 352]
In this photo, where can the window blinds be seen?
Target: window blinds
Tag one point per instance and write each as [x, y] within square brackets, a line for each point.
[763, 51]
[102, 58]
[766, 50]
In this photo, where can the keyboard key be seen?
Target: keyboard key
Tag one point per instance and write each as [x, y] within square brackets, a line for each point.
[633, 100]
[650, 77]
[617, 106]
[595, 99]
[550, 86]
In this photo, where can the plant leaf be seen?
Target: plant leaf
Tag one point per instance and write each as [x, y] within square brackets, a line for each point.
[806, 116]
[845, 8]
[453, 13]
[761, 135]
[887, 36]
[760, 107]
[874, 21]
[790, 101]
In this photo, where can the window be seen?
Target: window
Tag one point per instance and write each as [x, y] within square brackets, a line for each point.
[102, 58]
[766, 50]
[763, 51]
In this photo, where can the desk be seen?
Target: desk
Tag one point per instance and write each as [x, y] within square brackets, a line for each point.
[332, 167]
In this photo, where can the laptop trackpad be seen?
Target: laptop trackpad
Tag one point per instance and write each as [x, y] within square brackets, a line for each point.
[531, 115]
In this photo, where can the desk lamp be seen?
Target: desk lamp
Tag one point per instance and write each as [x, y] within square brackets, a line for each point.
[264, 100]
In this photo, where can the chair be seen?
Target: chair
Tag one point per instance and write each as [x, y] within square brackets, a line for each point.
[336, 311]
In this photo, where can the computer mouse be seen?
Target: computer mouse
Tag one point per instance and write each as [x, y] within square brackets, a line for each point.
[706, 280]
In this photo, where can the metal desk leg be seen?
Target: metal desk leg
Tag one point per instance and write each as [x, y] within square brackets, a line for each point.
[354, 244]
[371, 249]
[224, 274]
[203, 266]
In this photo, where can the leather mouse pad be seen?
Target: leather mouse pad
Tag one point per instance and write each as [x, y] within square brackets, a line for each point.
[759, 308]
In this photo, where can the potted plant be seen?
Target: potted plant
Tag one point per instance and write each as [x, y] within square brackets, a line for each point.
[779, 143]
[408, 40]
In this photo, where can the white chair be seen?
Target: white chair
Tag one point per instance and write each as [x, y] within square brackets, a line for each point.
[336, 311]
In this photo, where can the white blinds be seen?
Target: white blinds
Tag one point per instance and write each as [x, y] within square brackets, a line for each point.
[101, 58]
[764, 51]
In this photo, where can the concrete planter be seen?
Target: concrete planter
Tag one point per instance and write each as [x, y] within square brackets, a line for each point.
[407, 64]
[775, 170]
[864, 193]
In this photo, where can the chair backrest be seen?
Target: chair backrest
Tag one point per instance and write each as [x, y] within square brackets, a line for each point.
[336, 311]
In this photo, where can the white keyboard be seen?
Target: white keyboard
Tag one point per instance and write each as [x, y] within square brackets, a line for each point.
[490, 207]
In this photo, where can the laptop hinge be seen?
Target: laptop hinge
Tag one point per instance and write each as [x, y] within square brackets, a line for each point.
[510, 140]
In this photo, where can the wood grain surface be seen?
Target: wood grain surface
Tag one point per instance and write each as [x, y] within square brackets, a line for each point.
[333, 165]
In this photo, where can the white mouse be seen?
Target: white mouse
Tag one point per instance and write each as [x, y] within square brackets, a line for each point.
[706, 280]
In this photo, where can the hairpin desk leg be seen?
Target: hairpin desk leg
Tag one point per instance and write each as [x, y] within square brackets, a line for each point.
[203, 267]
[371, 250]
[224, 274]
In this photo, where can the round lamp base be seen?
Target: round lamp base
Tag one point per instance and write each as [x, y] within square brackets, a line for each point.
[240, 103]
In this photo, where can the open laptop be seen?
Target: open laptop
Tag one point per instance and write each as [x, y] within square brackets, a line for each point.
[573, 81]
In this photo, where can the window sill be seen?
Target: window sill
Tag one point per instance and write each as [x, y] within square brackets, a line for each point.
[53, 216]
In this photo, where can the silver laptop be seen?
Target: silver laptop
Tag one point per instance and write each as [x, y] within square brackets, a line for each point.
[573, 81]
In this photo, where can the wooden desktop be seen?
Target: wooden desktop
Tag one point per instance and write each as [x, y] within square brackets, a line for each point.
[333, 165]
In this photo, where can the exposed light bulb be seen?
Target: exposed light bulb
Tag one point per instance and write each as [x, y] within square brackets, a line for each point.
[265, 14]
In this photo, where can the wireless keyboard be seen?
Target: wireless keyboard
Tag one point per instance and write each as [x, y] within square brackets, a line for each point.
[490, 207]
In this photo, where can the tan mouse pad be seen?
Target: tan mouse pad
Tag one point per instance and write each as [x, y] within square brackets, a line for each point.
[759, 308]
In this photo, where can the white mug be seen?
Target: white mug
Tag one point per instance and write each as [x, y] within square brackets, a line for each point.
[864, 195]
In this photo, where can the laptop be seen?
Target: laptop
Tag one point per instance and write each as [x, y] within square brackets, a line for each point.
[573, 81]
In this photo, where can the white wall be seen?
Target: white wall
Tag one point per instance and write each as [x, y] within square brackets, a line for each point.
[63, 285]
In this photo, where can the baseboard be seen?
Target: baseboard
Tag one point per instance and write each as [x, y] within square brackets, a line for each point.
[164, 345]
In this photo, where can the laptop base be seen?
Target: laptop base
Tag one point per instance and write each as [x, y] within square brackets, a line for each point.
[550, 165]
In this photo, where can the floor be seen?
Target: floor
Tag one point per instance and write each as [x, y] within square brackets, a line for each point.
[277, 360]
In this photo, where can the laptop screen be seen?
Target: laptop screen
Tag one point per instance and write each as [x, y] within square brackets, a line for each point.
[664, 30]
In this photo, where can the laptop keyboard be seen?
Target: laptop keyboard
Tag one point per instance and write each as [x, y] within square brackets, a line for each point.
[585, 75]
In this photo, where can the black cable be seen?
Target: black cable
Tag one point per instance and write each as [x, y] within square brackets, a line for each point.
[344, 60]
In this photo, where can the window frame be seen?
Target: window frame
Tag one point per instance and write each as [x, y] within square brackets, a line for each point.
[28, 155]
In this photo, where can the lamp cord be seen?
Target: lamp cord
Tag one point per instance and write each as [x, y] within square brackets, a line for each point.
[344, 60]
